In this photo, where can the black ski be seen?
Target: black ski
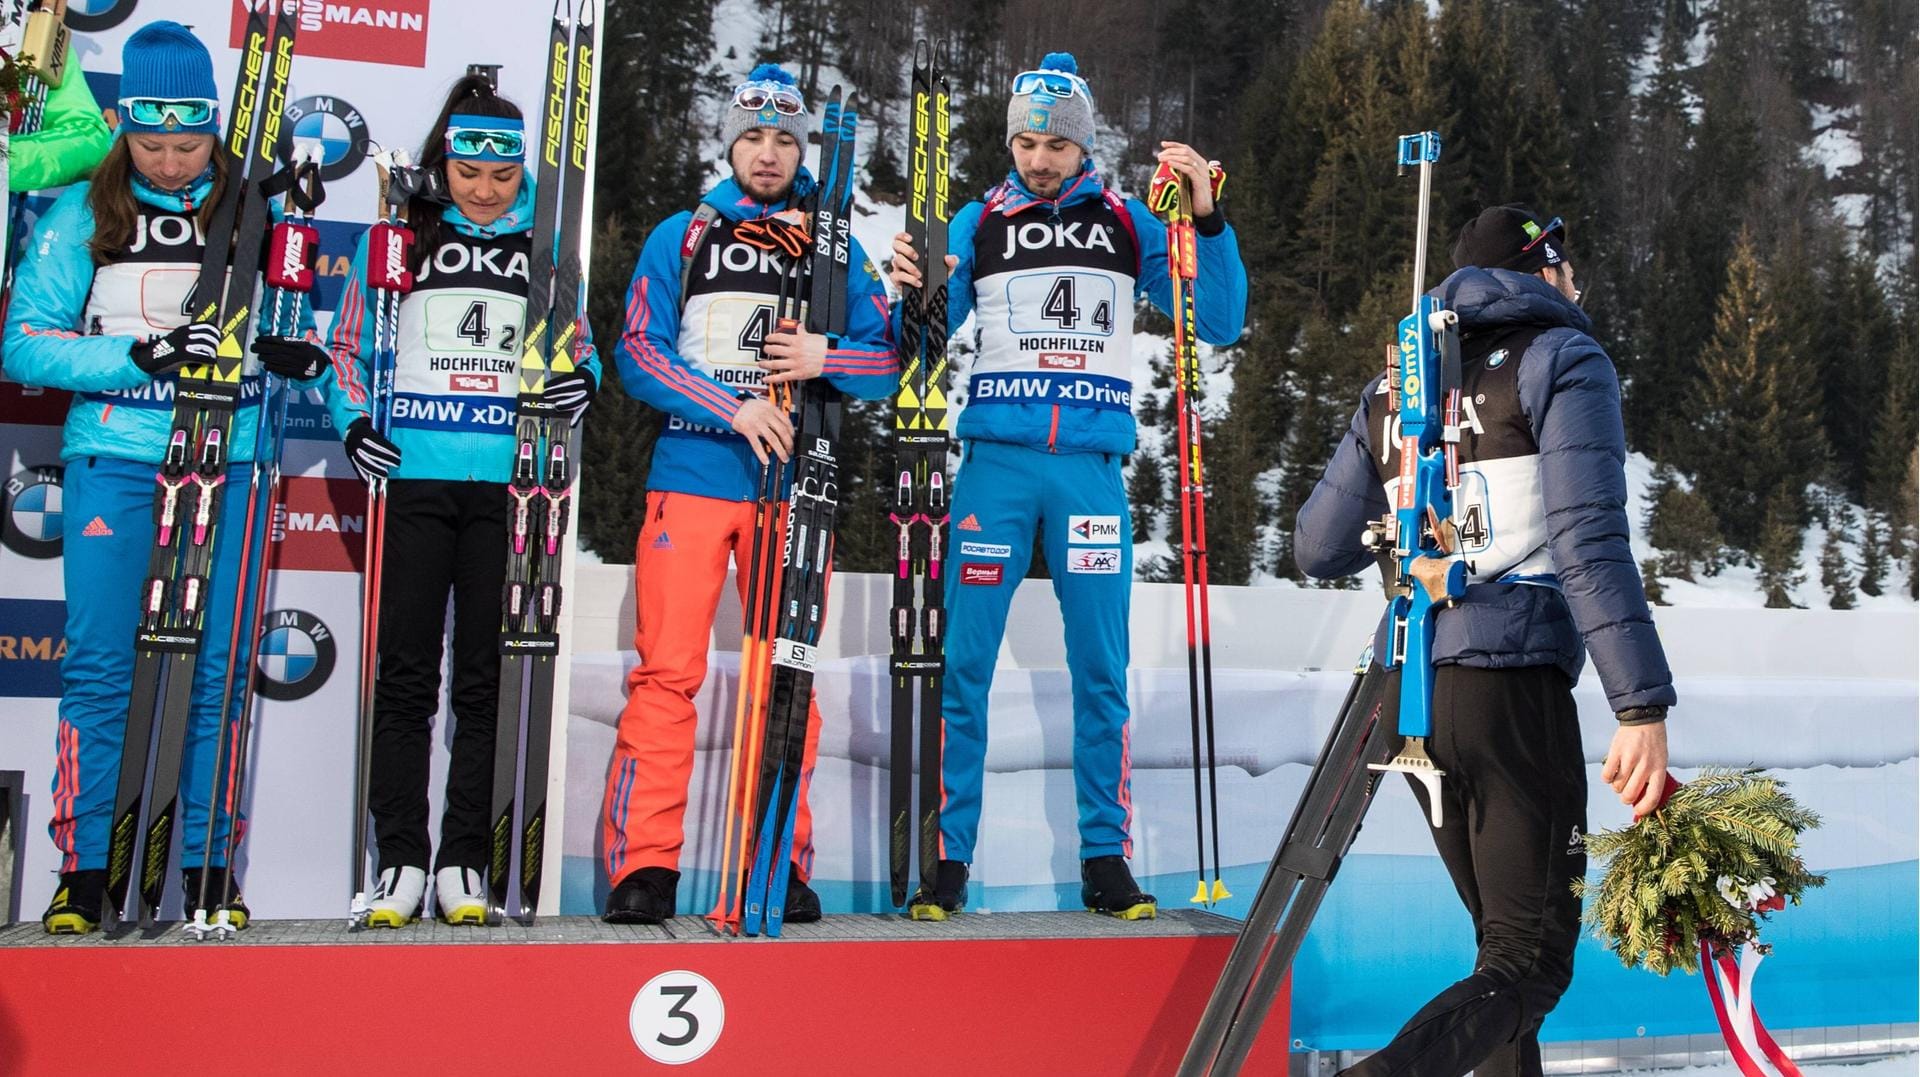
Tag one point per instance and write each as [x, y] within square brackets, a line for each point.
[807, 555]
[1324, 824]
[192, 477]
[542, 485]
[919, 513]
[290, 273]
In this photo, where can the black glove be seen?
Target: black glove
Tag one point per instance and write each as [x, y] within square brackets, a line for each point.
[194, 342]
[1642, 715]
[291, 357]
[571, 392]
[373, 456]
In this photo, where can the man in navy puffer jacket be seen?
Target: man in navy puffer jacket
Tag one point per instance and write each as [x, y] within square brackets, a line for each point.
[1541, 516]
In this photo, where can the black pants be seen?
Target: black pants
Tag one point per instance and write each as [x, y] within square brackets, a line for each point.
[1514, 811]
[441, 536]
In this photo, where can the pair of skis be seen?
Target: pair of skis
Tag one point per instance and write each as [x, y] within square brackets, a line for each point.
[916, 623]
[787, 602]
[290, 272]
[1423, 382]
[191, 483]
[1170, 198]
[540, 492]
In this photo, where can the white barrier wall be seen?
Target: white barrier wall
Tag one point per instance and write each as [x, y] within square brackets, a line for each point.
[1825, 699]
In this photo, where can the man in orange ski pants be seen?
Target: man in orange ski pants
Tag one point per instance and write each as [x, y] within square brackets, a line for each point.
[701, 341]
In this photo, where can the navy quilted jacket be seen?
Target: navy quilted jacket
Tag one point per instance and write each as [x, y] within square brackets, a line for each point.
[1567, 412]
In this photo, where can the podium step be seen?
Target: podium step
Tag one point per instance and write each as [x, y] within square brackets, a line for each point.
[1015, 993]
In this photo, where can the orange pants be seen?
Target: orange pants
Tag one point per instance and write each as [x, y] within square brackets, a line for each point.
[680, 566]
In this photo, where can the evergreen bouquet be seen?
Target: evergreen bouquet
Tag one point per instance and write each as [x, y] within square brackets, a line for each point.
[16, 71]
[1718, 856]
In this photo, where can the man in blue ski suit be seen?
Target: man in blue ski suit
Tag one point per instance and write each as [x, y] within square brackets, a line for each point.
[97, 310]
[1541, 519]
[1052, 262]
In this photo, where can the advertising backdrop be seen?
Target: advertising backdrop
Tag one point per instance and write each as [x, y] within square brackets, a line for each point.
[364, 75]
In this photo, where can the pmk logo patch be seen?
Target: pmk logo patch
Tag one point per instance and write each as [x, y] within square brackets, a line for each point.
[1093, 530]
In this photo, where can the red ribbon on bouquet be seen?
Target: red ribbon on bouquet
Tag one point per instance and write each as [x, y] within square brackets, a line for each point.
[1740, 1025]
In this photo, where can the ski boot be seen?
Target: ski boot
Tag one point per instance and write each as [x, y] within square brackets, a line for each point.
[1107, 887]
[461, 895]
[76, 905]
[803, 905]
[949, 894]
[644, 896]
[397, 899]
[225, 913]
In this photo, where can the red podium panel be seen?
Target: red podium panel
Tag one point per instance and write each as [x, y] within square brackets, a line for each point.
[830, 1001]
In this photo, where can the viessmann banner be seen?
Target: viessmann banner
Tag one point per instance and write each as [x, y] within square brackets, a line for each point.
[364, 75]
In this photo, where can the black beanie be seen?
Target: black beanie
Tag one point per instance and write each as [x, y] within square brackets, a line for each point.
[1510, 237]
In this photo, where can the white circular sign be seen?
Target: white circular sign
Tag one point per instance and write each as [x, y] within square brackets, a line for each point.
[676, 1017]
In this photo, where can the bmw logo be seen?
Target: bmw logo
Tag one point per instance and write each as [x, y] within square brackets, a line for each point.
[333, 125]
[30, 524]
[1495, 359]
[296, 656]
[93, 16]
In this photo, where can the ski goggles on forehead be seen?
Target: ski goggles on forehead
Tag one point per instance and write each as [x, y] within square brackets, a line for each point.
[1057, 83]
[486, 138]
[755, 96]
[169, 112]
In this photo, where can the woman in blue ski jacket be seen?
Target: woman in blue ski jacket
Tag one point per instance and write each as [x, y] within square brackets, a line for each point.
[447, 455]
[97, 310]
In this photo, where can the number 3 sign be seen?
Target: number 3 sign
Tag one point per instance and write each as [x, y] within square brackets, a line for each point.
[676, 1017]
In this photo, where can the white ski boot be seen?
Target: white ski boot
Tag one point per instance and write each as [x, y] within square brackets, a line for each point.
[397, 899]
[461, 895]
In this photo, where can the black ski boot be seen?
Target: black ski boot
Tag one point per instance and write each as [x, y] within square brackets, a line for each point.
[644, 896]
[803, 905]
[949, 894]
[231, 902]
[76, 905]
[1107, 887]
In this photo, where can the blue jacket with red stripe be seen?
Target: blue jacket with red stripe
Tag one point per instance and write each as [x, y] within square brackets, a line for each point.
[72, 325]
[1052, 282]
[694, 355]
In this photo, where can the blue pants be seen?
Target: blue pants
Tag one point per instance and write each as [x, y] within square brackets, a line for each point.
[109, 537]
[1079, 504]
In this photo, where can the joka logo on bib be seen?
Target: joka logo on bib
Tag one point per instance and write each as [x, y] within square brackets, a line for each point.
[1093, 530]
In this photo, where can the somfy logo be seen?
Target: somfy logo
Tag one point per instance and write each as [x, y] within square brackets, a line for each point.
[297, 653]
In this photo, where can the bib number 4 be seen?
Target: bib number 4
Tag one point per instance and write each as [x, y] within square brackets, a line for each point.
[475, 329]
